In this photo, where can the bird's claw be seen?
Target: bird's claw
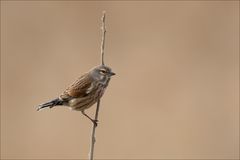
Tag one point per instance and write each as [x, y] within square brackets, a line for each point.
[95, 122]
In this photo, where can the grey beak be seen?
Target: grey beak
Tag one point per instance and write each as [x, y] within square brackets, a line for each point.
[112, 73]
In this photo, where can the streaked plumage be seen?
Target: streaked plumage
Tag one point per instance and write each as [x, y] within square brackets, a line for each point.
[85, 91]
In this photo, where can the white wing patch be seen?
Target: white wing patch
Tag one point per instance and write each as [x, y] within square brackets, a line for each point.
[90, 88]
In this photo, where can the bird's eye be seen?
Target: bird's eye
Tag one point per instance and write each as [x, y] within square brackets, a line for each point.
[102, 71]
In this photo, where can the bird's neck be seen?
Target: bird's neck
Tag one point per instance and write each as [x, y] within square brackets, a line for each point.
[104, 81]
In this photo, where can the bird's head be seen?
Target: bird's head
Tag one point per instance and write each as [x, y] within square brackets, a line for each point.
[102, 73]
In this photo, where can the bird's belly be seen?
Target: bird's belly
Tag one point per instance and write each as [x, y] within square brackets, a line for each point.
[80, 104]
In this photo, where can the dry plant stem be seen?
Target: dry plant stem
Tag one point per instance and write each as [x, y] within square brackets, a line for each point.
[103, 37]
[93, 139]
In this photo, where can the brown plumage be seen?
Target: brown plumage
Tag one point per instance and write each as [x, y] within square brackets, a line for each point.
[84, 92]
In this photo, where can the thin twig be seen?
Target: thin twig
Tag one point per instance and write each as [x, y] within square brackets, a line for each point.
[93, 139]
[103, 37]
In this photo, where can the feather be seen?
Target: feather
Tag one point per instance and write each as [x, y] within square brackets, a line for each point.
[79, 88]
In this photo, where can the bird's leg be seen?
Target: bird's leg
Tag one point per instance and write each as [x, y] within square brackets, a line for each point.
[93, 120]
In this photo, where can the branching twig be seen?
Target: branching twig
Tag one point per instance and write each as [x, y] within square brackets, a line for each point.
[93, 139]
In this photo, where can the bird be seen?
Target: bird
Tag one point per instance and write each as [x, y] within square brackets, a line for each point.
[84, 92]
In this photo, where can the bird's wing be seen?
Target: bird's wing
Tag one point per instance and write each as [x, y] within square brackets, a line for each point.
[79, 88]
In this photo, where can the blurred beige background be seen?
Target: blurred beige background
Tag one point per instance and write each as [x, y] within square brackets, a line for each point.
[176, 93]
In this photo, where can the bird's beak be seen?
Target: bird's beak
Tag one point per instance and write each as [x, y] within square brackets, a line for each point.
[112, 73]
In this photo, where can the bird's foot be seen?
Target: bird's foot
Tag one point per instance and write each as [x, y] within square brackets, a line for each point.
[95, 122]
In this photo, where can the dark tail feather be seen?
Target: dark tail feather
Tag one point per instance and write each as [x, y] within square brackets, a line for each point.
[55, 102]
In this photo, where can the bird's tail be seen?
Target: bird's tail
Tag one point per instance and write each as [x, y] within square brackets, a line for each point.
[50, 104]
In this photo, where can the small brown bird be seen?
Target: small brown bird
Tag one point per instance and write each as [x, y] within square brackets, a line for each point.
[84, 92]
